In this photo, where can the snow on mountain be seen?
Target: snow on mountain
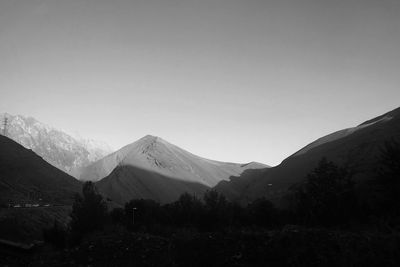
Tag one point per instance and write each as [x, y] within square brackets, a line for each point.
[56, 147]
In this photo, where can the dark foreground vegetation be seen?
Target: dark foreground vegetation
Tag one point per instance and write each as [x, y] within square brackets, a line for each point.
[326, 222]
[290, 246]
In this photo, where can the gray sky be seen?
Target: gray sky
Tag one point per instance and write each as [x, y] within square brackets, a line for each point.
[225, 79]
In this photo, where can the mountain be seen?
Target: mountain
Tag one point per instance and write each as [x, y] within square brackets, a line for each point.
[26, 177]
[153, 168]
[357, 147]
[63, 151]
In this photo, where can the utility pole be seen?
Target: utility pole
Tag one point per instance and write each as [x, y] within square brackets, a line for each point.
[5, 124]
[133, 215]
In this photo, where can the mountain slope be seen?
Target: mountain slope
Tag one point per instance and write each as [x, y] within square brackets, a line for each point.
[24, 176]
[143, 168]
[155, 154]
[356, 147]
[63, 151]
[129, 182]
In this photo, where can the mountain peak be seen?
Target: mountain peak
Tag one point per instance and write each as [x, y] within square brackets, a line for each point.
[150, 137]
[152, 153]
[150, 140]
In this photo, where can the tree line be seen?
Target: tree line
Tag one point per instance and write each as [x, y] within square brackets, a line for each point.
[326, 198]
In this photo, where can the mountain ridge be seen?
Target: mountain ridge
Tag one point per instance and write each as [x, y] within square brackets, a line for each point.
[157, 151]
[146, 165]
[55, 146]
[357, 148]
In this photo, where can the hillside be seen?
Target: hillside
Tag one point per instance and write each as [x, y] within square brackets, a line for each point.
[26, 177]
[60, 149]
[153, 168]
[357, 147]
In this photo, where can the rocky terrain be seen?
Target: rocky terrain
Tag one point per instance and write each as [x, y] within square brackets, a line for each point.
[60, 149]
[153, 168]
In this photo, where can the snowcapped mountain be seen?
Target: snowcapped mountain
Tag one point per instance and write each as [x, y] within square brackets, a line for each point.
[56, 147]
[153, 168]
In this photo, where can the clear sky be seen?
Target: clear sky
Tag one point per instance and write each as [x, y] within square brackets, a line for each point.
[249, 80]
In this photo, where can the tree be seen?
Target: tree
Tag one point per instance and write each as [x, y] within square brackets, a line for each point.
[327, 197]
[118, 216]
[388, 178]
[262, 212]
[147, 213]
[186, 211]
[217, 211]
[89, 211]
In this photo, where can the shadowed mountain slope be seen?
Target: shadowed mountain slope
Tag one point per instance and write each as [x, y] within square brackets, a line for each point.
[26, 177]
[357, 147]
[129, 182]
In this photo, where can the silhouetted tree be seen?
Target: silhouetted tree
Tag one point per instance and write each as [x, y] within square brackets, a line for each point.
[89, 212]
[118, 216]
[186, 211]
[263, 213]
[147, 213]
[238, 215]
[327, 197]
[388, 178]
[217, 211]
